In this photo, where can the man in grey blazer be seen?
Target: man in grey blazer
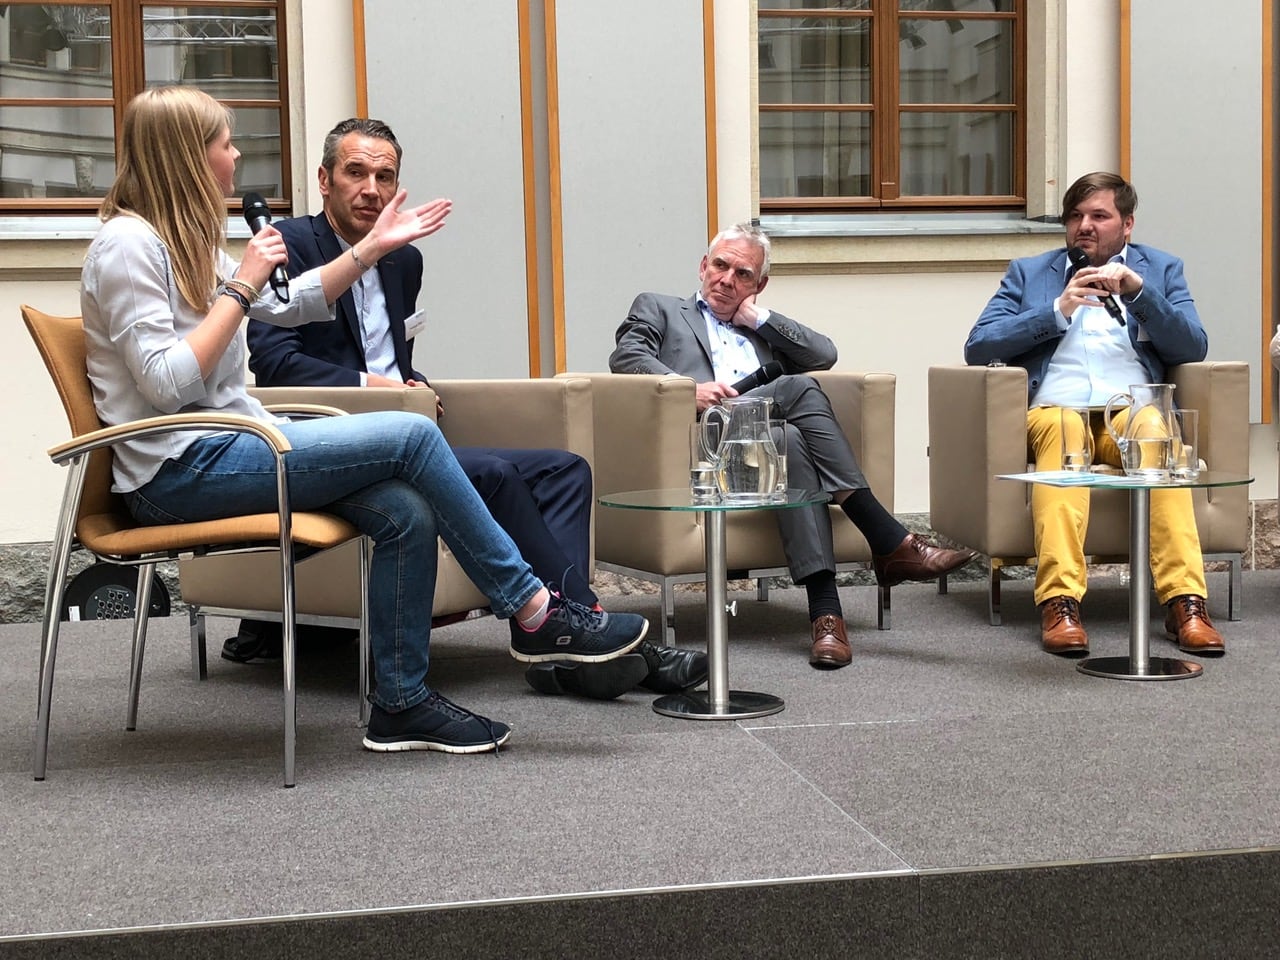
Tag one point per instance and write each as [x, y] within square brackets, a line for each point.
[1050, 317]
[721, 334]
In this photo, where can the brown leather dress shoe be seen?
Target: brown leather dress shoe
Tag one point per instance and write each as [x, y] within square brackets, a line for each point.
[1187, 624]
[1061, 631]
[830, 649]
[917, 559]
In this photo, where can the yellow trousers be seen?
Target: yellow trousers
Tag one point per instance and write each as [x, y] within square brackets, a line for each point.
[1061, 517]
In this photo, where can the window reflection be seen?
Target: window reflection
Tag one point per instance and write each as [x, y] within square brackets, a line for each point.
[815, 60]
[59, 52]
[815, 154]
[56, 151]
[55, 51]
[957, 154]
[192, 44]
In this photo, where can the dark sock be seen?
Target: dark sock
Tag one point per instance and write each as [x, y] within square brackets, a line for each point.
[823, 597]
[874, 522]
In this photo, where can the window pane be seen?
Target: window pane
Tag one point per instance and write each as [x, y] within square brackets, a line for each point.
[963, 6]
[257, 137]
[56, 151]
[815, 60]
[957, 154]
[56, 51]
[956, 61]
[815, 154]
[815, 4]
[233, 46]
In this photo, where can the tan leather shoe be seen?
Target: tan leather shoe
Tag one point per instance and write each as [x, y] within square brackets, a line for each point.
[830, 649]
[1187, 624]
[917, 559]
[1061, 631]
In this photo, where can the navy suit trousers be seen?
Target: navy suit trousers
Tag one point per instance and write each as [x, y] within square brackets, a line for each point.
[542, 499]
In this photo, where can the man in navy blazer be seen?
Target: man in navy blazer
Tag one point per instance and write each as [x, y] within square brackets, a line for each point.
[1050, 317]
[717, 337]
[542, 498]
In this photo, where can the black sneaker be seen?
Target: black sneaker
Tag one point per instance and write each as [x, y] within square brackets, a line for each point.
[573, 631]
[436, 723]
[597, 681]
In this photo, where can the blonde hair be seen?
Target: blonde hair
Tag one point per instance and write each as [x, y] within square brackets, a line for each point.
[163, 176]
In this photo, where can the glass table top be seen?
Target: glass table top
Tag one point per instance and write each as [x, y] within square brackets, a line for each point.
[679, 498]
[1118, 481]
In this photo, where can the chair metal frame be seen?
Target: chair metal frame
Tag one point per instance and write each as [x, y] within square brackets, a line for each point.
[173, 542]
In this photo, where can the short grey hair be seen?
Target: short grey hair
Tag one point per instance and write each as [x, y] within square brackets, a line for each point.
[374, 129]
[749, 232]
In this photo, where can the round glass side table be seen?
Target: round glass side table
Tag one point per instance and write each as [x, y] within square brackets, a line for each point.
[718, 702]
[1139, 664]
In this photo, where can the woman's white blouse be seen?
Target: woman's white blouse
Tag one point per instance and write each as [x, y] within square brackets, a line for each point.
[140, 365]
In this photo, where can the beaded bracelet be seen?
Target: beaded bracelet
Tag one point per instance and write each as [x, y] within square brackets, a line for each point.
[235, 295]
[249, 290]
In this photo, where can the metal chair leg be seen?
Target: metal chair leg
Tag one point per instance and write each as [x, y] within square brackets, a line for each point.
[55, 589]
[141, 615]
[288, 624]
[1235, 589]
[762, 589]
[993, 594]
[366, 641]
[668, 613]
[199, 631]
[884, 607]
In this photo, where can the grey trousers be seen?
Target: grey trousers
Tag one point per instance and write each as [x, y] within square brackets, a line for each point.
[818, 458]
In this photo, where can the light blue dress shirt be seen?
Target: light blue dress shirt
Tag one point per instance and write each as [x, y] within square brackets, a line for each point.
[375, 324]
[1095, 359]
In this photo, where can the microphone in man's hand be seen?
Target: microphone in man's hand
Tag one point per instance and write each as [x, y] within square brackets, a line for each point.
[258, 215]
[770, 372]
[1080, 259]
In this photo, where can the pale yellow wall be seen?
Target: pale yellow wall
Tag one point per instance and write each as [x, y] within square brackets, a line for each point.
[43, 273]
[881, 318]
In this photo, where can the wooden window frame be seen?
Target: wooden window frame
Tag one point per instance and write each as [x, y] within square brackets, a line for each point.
[885, 108]
[128, 79]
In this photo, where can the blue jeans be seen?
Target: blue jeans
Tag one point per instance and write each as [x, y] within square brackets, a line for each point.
[393, 477]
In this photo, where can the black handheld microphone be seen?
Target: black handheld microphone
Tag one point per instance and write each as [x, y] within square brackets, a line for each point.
[1080, 259]
[770, 372]
[257, 215]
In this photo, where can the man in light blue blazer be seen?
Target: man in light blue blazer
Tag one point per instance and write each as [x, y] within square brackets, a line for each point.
[1085, 321]
[720, 335]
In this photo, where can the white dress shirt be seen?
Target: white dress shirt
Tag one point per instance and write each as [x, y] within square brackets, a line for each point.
[733, 356]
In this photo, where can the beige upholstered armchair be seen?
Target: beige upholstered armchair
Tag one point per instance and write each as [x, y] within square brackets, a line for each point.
[641, 443]
[977, 429]
[498, 413]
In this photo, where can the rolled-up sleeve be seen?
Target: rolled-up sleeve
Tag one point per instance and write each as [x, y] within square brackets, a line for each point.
[306, 303]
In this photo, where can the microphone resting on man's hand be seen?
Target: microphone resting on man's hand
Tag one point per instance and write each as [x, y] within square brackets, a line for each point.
[1080, 259]
[257, 215]
[770, 372]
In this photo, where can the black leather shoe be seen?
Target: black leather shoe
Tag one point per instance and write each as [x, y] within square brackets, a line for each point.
[671, 669]
[598, 681]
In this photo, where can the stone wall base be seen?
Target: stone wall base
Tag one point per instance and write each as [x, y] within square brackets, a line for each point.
[24, 567]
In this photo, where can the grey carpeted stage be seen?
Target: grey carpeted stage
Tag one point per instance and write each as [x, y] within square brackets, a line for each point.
[953, 793]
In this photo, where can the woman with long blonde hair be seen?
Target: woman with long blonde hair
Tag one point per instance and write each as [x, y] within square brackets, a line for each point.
[163, 308]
